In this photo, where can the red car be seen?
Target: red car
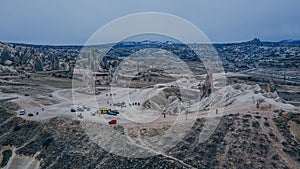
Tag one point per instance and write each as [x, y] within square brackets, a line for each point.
[112, 122]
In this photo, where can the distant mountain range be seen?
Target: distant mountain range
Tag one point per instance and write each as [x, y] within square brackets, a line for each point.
[149, 42]
[290, 41]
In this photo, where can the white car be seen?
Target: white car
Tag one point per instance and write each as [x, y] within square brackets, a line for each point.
[22, 112]
[81, 109]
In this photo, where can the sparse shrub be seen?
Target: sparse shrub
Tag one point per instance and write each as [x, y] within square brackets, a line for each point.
[47, 142]
[255, 124]
[276, 111]
[247, 116]
[257, 117]
[273, 136]
[267, 124]
[6, 154]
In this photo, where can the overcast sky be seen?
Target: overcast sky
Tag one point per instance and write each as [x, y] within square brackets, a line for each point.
[74, 21]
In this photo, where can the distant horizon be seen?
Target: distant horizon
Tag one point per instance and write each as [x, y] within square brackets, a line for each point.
[229, 42]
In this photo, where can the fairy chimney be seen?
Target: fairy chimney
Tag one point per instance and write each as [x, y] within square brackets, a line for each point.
[268, 88]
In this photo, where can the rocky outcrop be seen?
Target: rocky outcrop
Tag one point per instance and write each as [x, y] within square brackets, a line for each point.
[207, 87]
[268, 88]
[173, 106]
[55, 63]
[37, 58]
[38, 65]
[5, 57]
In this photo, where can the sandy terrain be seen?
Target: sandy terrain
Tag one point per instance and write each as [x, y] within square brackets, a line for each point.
[65, 99]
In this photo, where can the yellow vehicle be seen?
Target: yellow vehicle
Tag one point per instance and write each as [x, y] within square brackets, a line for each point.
[103, 110]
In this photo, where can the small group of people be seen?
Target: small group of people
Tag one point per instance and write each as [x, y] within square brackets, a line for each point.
[31, 114]
[134, 104]
[110, 94]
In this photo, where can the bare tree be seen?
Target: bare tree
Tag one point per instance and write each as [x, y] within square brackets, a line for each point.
[259, 101]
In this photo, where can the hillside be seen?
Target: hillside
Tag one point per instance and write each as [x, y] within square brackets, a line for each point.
[243, 140]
